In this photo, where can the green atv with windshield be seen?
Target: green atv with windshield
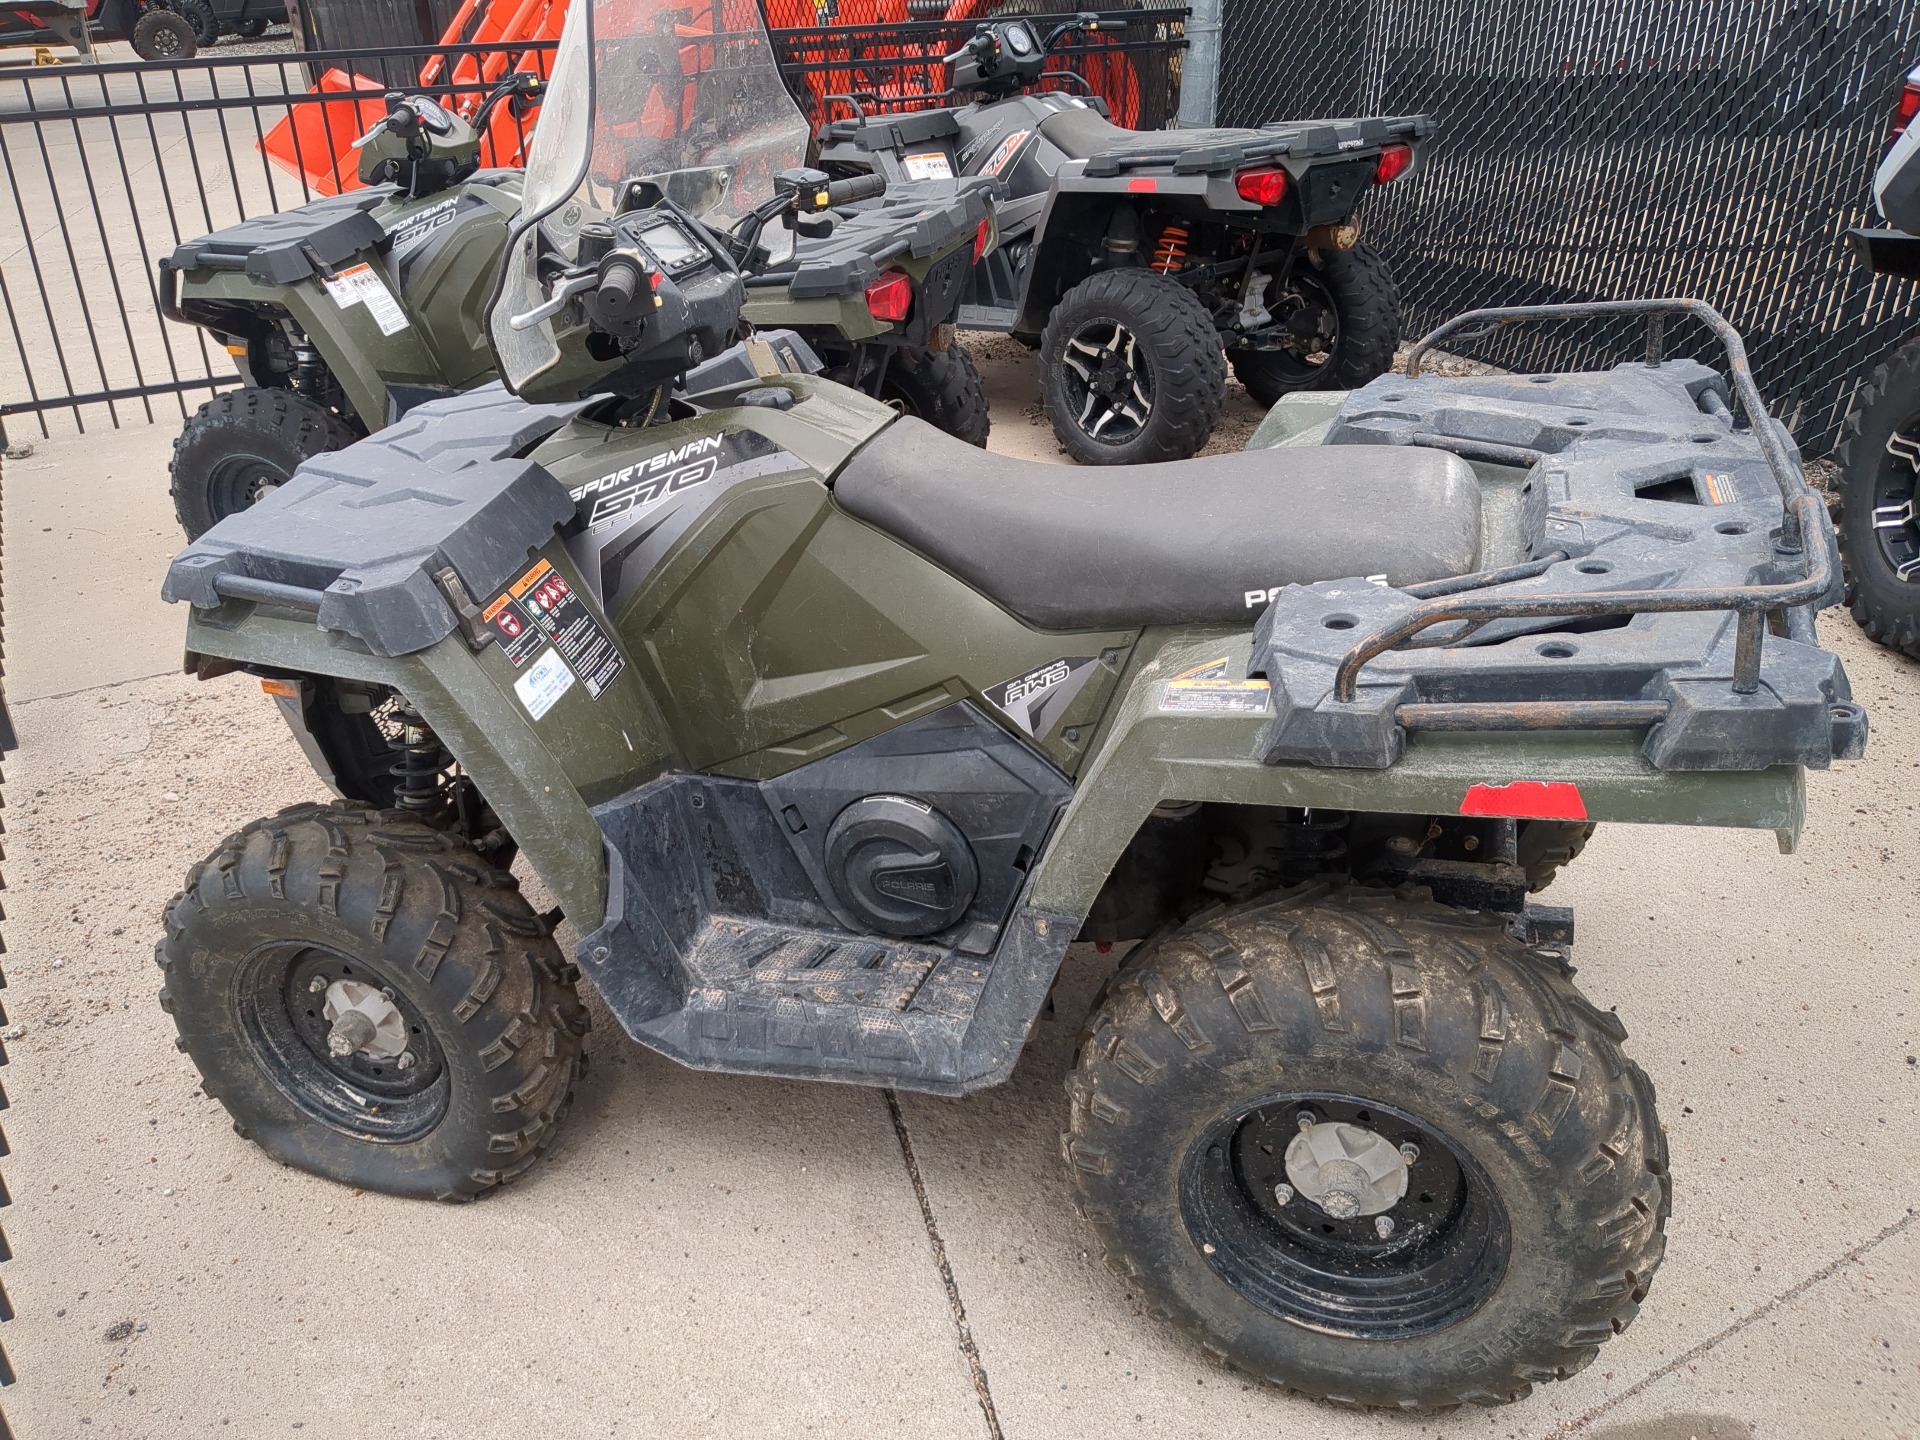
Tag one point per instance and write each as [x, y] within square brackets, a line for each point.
[830, 734]
[345, 313]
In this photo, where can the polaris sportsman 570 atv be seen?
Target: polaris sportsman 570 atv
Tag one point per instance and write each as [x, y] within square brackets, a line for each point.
[343, 314]
[828, 758]
[1132, 258]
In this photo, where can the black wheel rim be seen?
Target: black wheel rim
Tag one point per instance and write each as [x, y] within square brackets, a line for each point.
[1109, 382]
[1445, 1256]
[167, 42]
[1896, 528]
[238, 481]
[364, 1096]
[1303, 341]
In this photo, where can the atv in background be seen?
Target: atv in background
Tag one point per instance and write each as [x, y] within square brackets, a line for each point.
[1132, 259]
[158, 29]
[345, 313]
[1880, 456]
[342, 314]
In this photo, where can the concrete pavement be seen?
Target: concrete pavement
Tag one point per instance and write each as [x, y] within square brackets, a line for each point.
[708, 1255]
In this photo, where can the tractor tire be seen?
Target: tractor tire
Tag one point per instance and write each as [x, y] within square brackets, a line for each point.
[462, 972]
[945, 390]
[1435, 1053]
[1132, 347]
[1355, 289]
[1879, 467]
[165, 35]
[199, 13]
[242, 443]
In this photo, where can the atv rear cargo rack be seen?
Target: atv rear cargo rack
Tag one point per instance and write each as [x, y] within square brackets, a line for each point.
[1784, 703]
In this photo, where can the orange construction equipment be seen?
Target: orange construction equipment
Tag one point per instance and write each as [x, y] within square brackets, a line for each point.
[315, 140]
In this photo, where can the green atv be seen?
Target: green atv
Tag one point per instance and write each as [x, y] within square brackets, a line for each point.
[828, 757]
[345, 313]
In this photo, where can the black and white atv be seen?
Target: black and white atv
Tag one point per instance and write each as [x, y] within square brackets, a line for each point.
[1134, 259]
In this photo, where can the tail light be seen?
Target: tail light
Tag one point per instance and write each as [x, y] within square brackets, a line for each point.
[1906, 107]
[890, 297]
[1261, 187]
[982, 238]
[1394, 160]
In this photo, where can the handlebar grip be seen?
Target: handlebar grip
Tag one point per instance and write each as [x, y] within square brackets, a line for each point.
[858, 187]
[622, 280]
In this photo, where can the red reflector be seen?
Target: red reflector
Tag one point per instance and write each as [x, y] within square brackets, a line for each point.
[1143, 187]
[1394, 160]
[981, 239]
[1527, 800]
[891, 296]
[1904, 111]
[1262, 187]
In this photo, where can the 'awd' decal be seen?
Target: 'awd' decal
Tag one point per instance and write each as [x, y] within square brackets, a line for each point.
[1036, 701]
[640, 484]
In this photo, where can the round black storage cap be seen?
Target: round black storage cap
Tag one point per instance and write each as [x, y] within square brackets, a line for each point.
[900, 866]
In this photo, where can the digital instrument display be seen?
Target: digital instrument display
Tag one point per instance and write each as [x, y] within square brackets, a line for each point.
[672, 247]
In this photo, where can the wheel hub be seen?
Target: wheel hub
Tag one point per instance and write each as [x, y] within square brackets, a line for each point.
[1114, 384]
[1896, 525]
[1347, 1170]
[364, 1021]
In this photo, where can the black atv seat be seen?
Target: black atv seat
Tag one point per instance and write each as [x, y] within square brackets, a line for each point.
[1067, 548]
[1083, 132]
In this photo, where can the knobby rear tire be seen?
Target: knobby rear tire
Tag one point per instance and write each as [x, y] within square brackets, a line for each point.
[944, 389]
[1438, 1013]
[1180, 346]
[1885, 606]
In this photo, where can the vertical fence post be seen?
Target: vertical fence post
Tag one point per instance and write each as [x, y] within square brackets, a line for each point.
[1200, 69]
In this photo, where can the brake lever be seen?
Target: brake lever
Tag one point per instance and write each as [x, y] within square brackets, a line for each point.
[567, 289]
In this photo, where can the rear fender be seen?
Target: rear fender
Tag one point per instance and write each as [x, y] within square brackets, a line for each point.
[1147, 753]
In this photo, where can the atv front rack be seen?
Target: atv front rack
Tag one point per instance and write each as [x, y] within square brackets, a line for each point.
[1634, 422]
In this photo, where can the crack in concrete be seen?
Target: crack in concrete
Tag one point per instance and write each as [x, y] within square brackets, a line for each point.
[20, 704]
[1759, 1312]
[961, 1329]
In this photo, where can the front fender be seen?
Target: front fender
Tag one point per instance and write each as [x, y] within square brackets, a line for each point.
[525, 781]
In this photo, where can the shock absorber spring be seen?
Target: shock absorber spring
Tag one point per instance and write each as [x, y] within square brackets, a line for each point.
[309, 374]
[419, 764]
[1170, 250]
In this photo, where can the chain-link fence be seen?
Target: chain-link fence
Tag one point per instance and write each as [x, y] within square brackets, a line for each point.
[1602, 150]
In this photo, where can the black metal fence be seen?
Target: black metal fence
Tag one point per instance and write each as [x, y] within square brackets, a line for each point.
[109, 167]
[1133, 62]
[1613, 149]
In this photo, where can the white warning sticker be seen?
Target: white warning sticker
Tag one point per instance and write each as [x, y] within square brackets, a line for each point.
[361, 285]
[546, 680]
[933, 165]
[1210, 689]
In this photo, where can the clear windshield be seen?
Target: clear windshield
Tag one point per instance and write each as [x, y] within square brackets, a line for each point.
[642, 88]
